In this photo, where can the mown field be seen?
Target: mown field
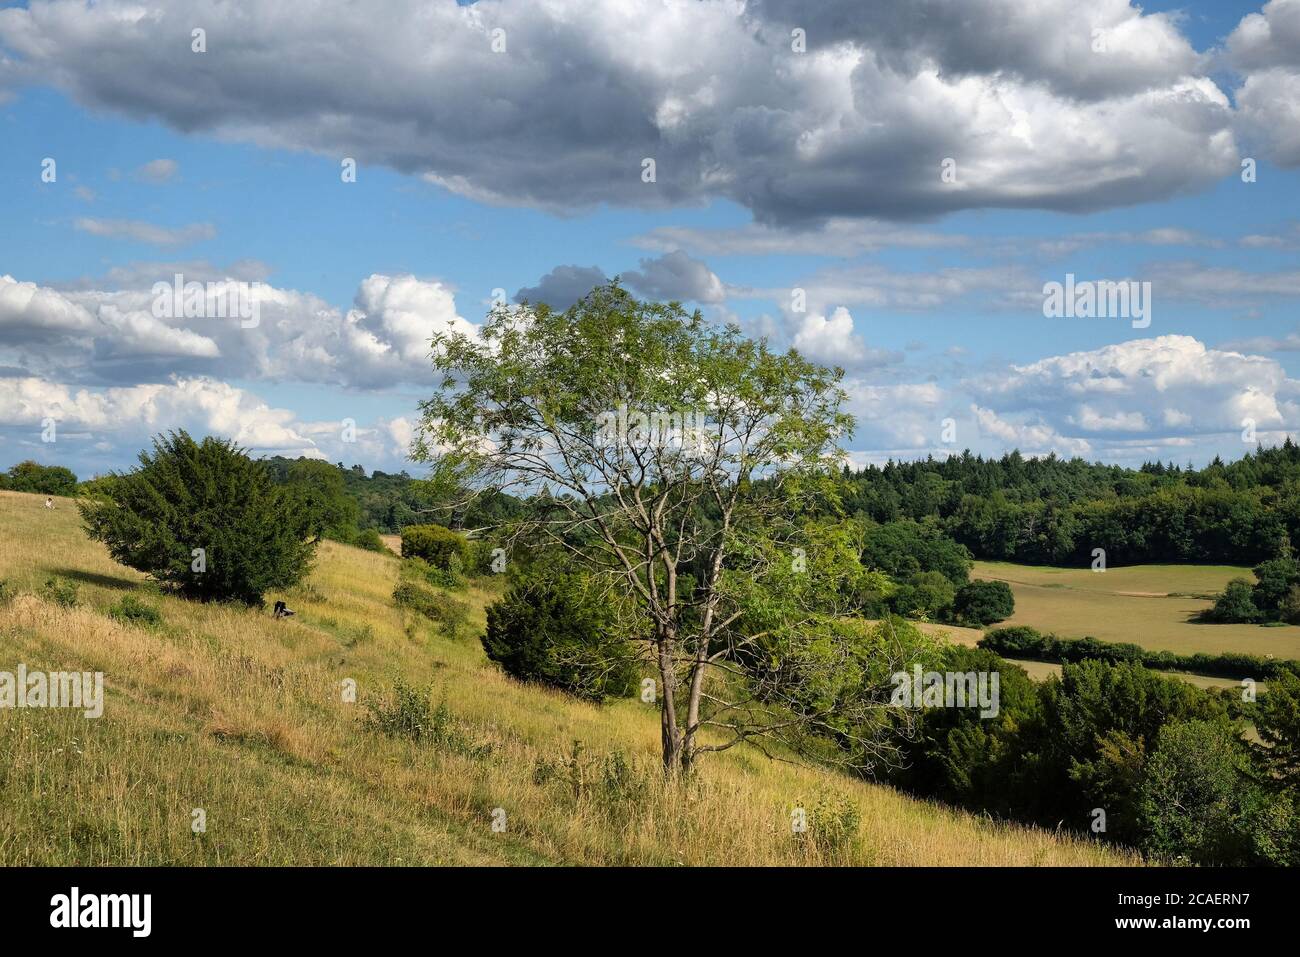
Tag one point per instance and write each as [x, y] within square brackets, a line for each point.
[225, 709]
[1149, 605]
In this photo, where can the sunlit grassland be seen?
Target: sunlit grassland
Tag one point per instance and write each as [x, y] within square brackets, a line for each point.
[225, 709]
[1154, 606]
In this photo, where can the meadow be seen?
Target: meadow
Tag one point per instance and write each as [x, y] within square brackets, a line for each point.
[223, 709]
[1154, 606]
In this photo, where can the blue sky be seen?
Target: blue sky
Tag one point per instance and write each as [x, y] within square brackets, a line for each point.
[775, 171]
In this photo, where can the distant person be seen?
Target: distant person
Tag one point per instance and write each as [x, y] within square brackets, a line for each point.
[49, 502]
[282, 610]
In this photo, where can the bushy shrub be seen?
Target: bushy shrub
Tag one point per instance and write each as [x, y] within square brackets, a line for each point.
[205, 519]
[554, 628]
[1236, 604]
[451, 613]
[435, 544]
[984, 602]
[130, 609]
[367, 538]
[1195, 795]
[830, 824]
[60, 592]
[481, 557]
[926, 595]
[420, 570]
[1289, 609]
[411, 714]
[1274, 579]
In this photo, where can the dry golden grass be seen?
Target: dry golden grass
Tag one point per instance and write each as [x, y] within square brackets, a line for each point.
[225, 709]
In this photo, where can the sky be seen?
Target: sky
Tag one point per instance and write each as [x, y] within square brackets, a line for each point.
[887, 187]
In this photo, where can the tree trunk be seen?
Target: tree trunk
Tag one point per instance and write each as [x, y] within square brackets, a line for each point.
[670, 733]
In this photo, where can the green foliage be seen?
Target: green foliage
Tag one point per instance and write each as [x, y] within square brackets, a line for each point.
[1288, 611]
[833, 822]
[366, 538]
[131, 610]
[6, 592]
[1049, 510]
[1274, 579]
[449, 578]
[1195, 795]
[960, 757]
[59, 591]
[926, 595]
[1277, 719]
[1162, 758]
[1098, 720]
[555, 628]
[480, 557]
[31, 476]
[1274, 598]
[984, 602]
[435, 544]
[411, 714]
[903, 549]
[187, 495]
[1236, 603]
[322, 495]
[451, 613]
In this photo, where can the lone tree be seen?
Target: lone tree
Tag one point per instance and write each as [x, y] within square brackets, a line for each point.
[205, 519]
[677, 459]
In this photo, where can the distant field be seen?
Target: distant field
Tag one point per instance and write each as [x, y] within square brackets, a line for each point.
[1148, 605]
[1040, 670]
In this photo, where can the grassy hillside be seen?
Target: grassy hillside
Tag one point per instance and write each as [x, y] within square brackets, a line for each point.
[1150, 605]
[225, 709]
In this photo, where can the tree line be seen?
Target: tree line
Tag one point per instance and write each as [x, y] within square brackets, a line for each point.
[1055, 511]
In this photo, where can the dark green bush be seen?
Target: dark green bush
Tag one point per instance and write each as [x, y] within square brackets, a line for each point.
[368, 539]
[130, 609]
[186, 496]
[60, 592]
[435, 544]
[555, 629]
[1236, 604]
[984, 602]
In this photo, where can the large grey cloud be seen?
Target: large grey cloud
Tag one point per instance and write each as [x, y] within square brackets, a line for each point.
[563, 286]
[585, 90]
[676, 275]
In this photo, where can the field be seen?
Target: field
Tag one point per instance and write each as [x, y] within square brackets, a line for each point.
[1149, 605]
[226, 710]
